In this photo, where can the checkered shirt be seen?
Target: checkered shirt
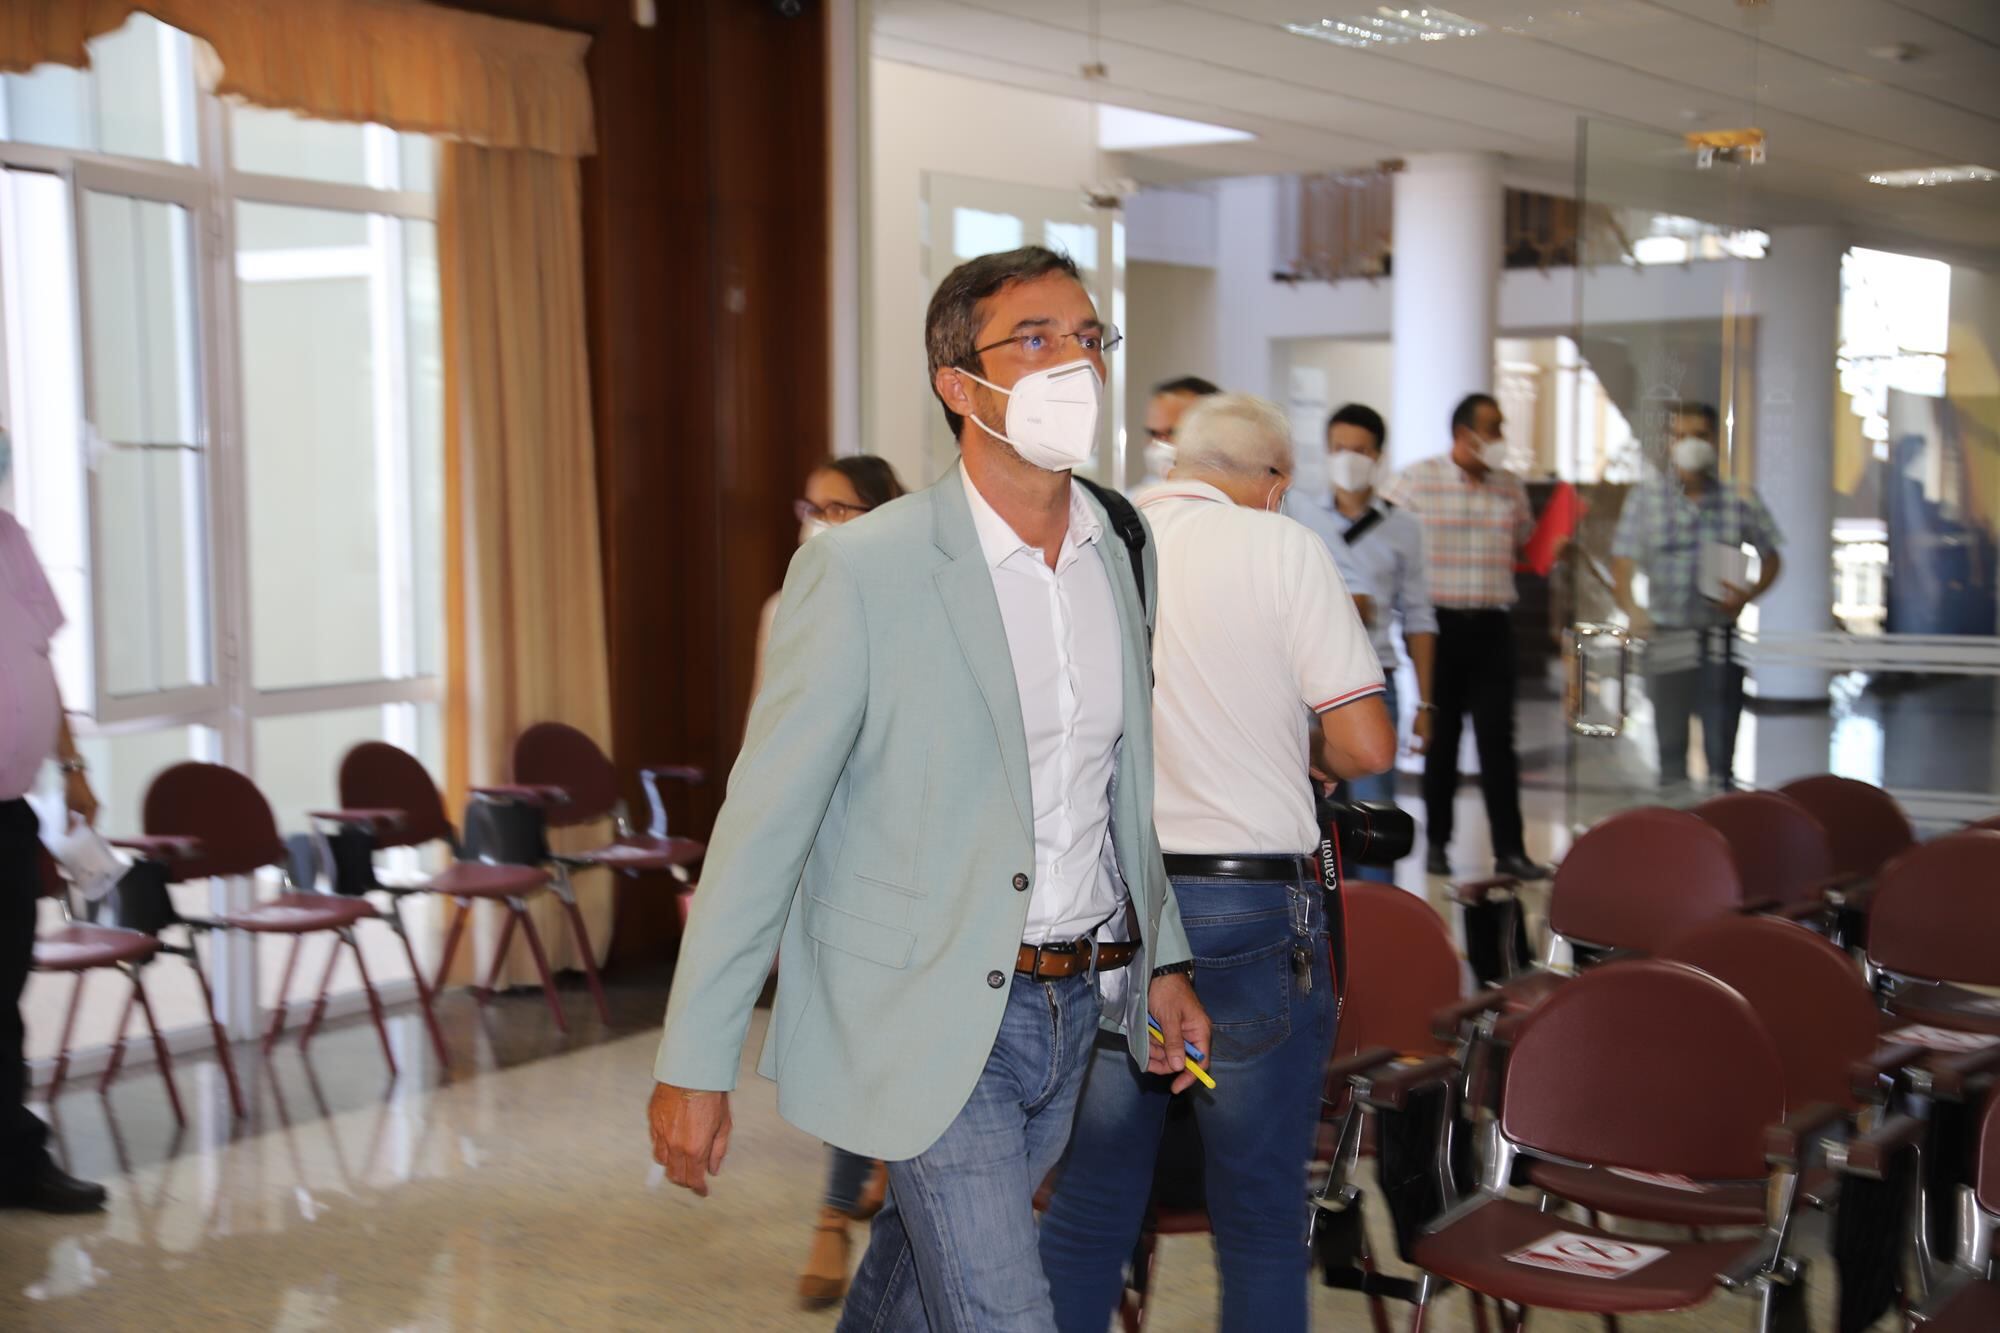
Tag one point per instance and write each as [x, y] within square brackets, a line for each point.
[1662, 532]
[1472, 529]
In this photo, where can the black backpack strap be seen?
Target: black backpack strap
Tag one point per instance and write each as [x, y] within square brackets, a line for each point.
[1362, 526]
[1125, 521]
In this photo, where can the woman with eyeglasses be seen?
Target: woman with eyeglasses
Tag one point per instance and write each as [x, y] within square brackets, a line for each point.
[838, 492]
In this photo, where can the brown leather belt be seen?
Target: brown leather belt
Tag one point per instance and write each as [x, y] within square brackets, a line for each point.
[1067, 960]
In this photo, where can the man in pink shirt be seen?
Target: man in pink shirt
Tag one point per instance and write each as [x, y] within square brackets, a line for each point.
[32, 729]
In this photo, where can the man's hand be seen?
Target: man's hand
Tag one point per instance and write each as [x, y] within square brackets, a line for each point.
[82, 801]
[1171, 1001]
[1734, 598]
[690, 1134]
[1420, 730]
[1642, 622]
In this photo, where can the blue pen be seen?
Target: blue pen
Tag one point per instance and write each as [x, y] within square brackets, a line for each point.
[1189, 1046]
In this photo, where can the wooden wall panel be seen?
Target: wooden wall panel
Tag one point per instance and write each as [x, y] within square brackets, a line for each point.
[707, 271]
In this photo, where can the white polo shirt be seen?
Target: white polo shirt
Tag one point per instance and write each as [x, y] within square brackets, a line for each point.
[1257, 635]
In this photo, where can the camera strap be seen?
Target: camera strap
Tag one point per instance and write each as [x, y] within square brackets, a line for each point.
[1336, 915]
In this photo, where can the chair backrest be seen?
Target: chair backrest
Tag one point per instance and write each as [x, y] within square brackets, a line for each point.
[375, 775]
[1809, 996]
[224, 810]
[1935, 912]
[1991, 822]
[555, 755]
[1647, 1065]
[1401, 966]
[1863, 822]
[1986, 1182]
[1642, 877]
[1782, 851]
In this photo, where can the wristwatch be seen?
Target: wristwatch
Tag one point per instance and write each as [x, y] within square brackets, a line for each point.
[1175, 970]
[73, 766]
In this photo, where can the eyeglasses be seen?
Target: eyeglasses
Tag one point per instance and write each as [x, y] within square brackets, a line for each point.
[1160, 436]
[1044, 345]
[835, 512]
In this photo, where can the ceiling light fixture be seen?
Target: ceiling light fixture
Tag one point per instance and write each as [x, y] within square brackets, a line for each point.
[1926, 176]
[1388, 25]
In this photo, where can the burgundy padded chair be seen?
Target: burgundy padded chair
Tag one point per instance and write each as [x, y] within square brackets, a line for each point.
[1967, 1300]
[1865, 824]
[1642, 1065]
[206, 821]
[1783, 852]
[1811, 999]
[567, 765]
[388, 792]
[1934, 930]
[80, 949]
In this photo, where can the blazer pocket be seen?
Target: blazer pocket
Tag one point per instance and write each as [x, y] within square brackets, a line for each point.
[879, 882]
[836, 928]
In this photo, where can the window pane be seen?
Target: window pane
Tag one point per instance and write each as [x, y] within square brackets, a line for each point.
[283, 143]
[151, 530]
[144, 358]
[425, 388]
[136, 99]
[1078, 240]
[975, 232]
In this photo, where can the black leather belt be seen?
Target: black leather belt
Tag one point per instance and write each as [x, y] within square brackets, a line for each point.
[1290, 869]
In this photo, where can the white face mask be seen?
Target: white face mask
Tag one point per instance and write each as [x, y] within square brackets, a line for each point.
[1051, 415]
[1691, 453]
[1493, 454]
[1159, 458]
[812, 528]
[1351, 471]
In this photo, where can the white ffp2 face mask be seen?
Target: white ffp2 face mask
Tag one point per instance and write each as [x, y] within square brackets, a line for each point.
[1051, 415]
[812, 528]
[1351, 471]
[1691, 453]
[1493, 453]
[1159, 459]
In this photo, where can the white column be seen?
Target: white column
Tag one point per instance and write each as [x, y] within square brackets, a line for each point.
[1444, 294]
[1798, 300]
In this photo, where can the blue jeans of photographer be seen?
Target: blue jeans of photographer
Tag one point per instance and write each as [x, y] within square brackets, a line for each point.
[1272, 1037]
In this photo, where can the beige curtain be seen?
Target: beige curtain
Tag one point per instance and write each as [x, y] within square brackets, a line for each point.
[400, 63]
[521, 483]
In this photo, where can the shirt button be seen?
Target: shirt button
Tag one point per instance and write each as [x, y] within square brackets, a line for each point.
[995, 980]
[1020, 883]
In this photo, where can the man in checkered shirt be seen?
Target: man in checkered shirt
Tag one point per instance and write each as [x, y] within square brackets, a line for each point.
[1690, 661]
[1476, 519]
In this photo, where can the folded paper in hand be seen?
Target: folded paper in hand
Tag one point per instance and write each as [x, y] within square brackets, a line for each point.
[1721, 564]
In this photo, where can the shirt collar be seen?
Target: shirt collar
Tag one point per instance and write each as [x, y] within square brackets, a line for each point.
[998, 541]
[1183, 490]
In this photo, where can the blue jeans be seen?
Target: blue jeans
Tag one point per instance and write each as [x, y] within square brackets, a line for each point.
[846, 1176]
[1272, 1040]
[953, 1250]
[1379, 786]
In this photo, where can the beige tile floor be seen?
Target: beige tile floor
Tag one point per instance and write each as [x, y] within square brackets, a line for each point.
[515, 1199]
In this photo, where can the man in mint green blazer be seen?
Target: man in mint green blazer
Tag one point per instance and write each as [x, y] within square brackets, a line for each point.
[943, 812]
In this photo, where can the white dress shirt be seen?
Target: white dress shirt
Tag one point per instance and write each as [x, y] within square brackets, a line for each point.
[1257, 634]
[1062, 632]
[30, 707]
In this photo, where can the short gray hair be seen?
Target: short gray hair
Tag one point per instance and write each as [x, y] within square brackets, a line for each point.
[1233, 432]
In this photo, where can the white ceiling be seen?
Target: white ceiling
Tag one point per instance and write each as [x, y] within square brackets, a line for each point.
[1642, 72]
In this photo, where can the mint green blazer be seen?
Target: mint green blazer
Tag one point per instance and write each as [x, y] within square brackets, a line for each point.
[875, 821]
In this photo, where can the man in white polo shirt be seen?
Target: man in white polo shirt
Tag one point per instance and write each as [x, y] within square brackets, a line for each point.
[1262, 665]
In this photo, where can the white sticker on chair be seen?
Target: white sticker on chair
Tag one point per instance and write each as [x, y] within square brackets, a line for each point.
[1586, 1256]
[1942, 1039]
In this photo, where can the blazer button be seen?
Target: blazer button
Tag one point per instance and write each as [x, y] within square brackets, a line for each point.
[1020, 883]
[995, 980]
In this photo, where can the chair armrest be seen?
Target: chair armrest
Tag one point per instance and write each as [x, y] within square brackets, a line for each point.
[688, 773]
[368, 819]
[524, 792]
[1785, 1145]
[1870, 1154]
[1950, 1075]
[1473, 892]
[1392, 1090]
[163, 847]
[1362, 1062]
[1864, 1077]
[1446, 1023]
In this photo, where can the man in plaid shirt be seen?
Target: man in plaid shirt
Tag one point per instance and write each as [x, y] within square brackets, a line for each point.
[1475, 518]
[1690, 663]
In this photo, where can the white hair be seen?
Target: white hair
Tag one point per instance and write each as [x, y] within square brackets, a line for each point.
[1236, 433]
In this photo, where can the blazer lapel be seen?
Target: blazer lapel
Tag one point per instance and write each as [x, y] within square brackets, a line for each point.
[966, 586]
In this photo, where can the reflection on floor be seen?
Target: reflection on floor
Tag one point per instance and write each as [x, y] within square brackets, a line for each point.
[511, 1197]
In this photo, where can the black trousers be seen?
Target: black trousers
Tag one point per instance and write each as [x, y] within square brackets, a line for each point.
[1711, 689]
[22, 1135]
[1475, 674]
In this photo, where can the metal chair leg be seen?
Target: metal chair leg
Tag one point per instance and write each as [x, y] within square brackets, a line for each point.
[159, 1045]
[451, 938]
[277, 1027]
[374, 1001]
[423, 991]
[589, 959]
[236, 1102]
[117, 1060]
[541, 963]
[69, 1025]
[514, 914]
[318, 1011]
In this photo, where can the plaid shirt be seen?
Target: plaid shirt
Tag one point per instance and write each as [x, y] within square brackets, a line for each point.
[1472, 529]
[1662, 532]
